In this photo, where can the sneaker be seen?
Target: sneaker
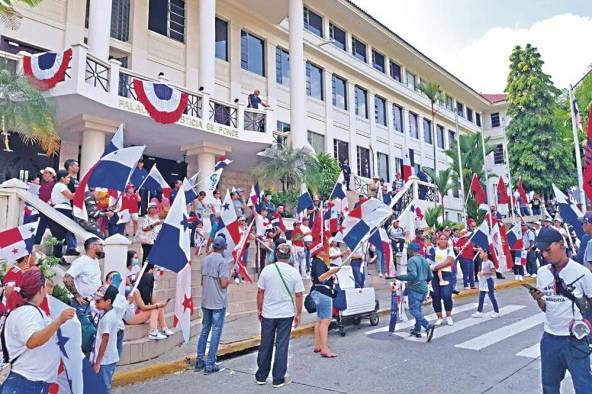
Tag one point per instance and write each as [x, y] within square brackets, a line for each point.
[449, 321]
[438, 322]
[533, 275]
[167, 331]
[199, 365]
[237, 281]
[430, 333]
[455, 291]
[155, 335]
[72, 252]
[380, 275]
[526, 275]
[214, 369]
[260, 383]
[286, 381]
[477, 315]
[516, 277]
[494, 315]
[415, 334]
[520, 278]
[444, 283]
[391, 334]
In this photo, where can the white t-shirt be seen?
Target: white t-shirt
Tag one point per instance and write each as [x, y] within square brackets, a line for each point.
[40, 363]
[277, 303]
[110, 324]
[335, 251]
[306, 229]
[558, 307]
[57, 197]
[87, 275]
[442, 254]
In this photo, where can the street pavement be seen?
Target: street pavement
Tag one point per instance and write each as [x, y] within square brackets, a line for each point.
[473, 356]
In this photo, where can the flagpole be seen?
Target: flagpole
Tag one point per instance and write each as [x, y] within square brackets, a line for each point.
[460, 171]
[505, 146]
[490, 219]
[576, 139]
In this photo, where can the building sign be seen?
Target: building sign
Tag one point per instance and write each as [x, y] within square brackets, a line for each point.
[189, 121]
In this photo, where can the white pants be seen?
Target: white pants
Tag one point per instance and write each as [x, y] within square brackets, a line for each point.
[300, 260]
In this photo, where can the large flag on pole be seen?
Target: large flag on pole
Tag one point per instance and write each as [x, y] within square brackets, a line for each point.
[361, 220]
[569, 212]
[304, 201]
[18, 241]
[228, 223]
[502, 192]
[382, 243]
[406, 170]
[515, 237]
[477, 190]
[155, 183]
[116, 142]
[239, 253]
[521, 191]
[588, 158]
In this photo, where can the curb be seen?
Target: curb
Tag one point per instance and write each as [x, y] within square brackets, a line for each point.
[229, 349]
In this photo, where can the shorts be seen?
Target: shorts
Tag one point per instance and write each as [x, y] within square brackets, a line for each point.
[134, 216]
[324, 305]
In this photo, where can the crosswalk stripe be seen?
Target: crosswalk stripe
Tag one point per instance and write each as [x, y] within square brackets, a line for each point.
[411, 321]
[462, 324]
[533, 351]
[492, 337]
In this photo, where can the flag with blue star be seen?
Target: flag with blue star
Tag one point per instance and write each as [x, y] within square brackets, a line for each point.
[171, 248]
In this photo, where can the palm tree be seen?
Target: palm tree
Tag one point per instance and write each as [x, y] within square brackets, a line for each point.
[432, 214]
[9, 16]
[433, 93]
[24, 110]
[443, 182]
[472, 159]
[285, 165]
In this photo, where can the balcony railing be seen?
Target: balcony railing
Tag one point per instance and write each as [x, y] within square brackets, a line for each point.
[255, 120]
[97, 73]
[223, 114]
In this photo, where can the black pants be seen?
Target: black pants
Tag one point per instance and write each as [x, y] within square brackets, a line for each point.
[145, 251]
[59, 232]
[531, 264]
[274, 331]
[262, 258]
[44, 224]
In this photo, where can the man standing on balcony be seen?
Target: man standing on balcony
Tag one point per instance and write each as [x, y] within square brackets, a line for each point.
[346, 169]
[72, 167]
[255, 100]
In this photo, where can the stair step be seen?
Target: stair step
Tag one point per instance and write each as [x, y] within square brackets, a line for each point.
[138, 331]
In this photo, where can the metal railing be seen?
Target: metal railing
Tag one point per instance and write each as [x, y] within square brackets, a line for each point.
[97, 72]
[223, 114]
[280, 138]
[361, 185]
[254, 120]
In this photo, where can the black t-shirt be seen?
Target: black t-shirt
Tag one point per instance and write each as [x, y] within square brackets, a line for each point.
[317, 269]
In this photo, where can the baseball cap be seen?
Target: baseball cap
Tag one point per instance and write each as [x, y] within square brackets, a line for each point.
[546, 237]
[219, 243]
[587, 217]
[413, 247]
[106, 292]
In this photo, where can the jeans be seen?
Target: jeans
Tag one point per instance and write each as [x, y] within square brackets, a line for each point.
[536, 211]
[561, 353]
[213, 320]
[380, 263]
[491, 291]
[70, 241]
[524, 211]
[468, 271]
[357, 272]
[518, 269]
[274, 331]
[307, 256]
[114, 228]
[531, 264]
[415, 308]
[394, 311]
[442, 292]
[106, 374]
[120, 335]
[18, 384]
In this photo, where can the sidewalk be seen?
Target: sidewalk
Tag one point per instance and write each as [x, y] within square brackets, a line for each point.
[241, 333]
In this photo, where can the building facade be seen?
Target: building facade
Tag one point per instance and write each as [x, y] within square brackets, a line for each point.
[333, 77]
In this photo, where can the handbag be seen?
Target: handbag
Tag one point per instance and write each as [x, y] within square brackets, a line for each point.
[309, 304]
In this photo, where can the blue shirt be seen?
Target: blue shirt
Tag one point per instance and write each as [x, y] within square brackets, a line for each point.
[579, 257]
[254, 101]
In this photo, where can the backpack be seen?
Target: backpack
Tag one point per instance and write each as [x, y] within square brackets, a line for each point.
[88, 327]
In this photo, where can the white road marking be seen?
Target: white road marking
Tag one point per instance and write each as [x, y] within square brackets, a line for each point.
[533, 351]
[462, 324]
[495, 336]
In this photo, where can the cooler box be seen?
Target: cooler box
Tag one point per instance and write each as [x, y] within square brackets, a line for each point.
[357, 301]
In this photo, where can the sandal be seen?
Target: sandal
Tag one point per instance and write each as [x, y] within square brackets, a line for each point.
[328, 355]
[316, 350]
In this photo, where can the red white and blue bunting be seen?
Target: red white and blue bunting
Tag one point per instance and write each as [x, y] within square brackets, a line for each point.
[46, 69]
[163, 103]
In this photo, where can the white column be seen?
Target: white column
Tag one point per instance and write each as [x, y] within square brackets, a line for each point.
[99, 28]
[207, 42]
[93, 146]
[297, 75]
[203, 156]
[205, 164]
[328, 86]
[116, 248]
[372, 119]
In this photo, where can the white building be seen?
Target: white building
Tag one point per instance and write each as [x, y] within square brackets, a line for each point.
[332, 74]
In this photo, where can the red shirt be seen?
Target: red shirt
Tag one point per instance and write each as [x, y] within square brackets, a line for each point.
[466, 253]
[45, 191]
[297, 232]
[130, 202]
[13, 275]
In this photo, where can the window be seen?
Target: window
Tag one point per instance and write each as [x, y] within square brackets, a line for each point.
[398, 165]
[451, 138]
[398, 118]
[411, 81]
[167, 17]
[469, 114]
[478, 119]
[339, 92]
[456, 194]
[440, 136]
[382, 162]
[495, 120]
[361, 96]
[337, 36]
[378, 60]
[359, 49]
[120, 13]
[427, 131]
[380, 110]
[314, 81]
[282, 127]
[413, 125]
[364, 162]
[313, 22]
[317, 141]
[340, 150]
[221, 39]
[252, 53]
[498, 154]
[449, 103]
[460, 109]
[282, 66]
[395, 71]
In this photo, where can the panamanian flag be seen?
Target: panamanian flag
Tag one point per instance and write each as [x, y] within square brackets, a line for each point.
[304, 201]
[361, 220]
[155, 183]
[515, 237]
[116, 141]
[569, 212]
[228, 223]
[18, 241]
[382, 243]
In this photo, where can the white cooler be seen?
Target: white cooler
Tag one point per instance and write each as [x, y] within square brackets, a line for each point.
[358, 300]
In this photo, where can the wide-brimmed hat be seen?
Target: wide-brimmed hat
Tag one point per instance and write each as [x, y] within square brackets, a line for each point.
[48, 169]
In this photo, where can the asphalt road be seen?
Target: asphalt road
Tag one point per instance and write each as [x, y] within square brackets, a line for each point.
[474, 356]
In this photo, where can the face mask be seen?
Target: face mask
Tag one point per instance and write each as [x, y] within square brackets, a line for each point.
[136, 261]
[100, 255]
[116, 279]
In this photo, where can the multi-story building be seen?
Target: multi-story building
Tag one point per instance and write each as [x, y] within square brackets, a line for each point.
[332, 74]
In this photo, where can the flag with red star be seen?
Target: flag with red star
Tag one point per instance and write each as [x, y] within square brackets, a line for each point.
[17, 242]
[183, 302]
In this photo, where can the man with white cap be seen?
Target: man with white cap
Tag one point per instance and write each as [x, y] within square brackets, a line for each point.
[298, 249]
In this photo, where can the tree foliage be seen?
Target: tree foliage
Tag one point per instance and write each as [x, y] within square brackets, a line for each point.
[9, 16]
[536, 149]
[284, 165]
[323, 174]
[433, 93]
[443, 182]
